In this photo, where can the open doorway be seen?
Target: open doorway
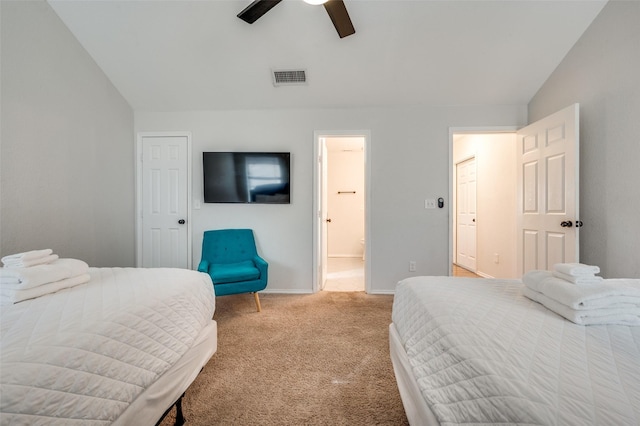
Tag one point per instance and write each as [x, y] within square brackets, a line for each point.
[341, 216]
[527, 194]
[483, 202]
[345, 213]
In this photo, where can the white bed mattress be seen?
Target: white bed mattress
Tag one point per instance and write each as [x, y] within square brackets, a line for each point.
[481, 353]
[86, 354]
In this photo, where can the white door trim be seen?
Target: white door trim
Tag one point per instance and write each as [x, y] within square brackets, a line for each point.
[317, 221]
[452, 170]
[138, 201]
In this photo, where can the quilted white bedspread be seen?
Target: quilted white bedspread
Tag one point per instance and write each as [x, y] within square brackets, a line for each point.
[82, 355]
[483, 354]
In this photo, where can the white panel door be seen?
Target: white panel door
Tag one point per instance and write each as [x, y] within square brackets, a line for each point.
[466, 214]
[164, 200]
[547, 193]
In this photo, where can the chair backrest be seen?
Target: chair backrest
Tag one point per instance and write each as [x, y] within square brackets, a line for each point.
[228, 245]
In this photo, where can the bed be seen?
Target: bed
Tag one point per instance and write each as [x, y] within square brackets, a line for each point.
[476, 351]
[118, 350]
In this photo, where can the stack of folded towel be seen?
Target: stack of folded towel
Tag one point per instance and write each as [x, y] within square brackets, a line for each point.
[29, 258]
[38, 272]
[574, 291]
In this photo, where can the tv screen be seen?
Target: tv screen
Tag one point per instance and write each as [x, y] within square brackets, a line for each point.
[246, 177]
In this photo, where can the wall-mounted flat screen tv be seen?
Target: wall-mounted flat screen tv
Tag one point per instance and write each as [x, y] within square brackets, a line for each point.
[247, 177]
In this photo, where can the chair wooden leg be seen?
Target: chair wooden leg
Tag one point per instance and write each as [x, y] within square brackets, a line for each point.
[255, 296]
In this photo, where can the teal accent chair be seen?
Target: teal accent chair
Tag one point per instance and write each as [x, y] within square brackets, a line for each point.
[230, 258]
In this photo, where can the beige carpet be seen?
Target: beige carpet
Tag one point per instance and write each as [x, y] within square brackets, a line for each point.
[319, 359]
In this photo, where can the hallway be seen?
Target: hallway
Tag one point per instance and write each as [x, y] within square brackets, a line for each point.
[461, 272]
[345, 274]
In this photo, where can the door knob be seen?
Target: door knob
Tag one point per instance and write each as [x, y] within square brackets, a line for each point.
[181, 221]
[566, 224]
[579, 224]
[329, 220]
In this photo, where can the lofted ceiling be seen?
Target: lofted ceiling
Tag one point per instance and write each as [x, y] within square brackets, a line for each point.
[180, 55]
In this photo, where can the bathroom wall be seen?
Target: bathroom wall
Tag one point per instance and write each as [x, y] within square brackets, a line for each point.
[345, 196]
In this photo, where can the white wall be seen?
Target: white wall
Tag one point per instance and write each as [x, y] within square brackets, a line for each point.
[409, 162]
[346, 210]
[496, 200]
[601, 73]
[66, 168]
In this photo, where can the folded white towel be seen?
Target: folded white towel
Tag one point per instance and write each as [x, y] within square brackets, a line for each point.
[609, 293]
[31, 262]
[42, 274]
[14, 296]
[578, 280]
[576, 269]
[27, 255]
[628, 316]
[534, 278]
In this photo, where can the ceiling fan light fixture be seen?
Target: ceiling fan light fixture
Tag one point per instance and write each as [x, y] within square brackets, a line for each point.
[335, 8]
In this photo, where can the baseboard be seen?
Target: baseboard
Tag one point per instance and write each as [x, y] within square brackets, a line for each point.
[289, 291]
[286, 291]
[483, 275]
[383, 292]
[346, 256]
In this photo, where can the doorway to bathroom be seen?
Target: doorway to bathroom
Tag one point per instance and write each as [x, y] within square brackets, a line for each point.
[341, 199]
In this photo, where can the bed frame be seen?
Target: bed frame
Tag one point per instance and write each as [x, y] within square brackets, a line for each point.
[169, 390]
[415, 407]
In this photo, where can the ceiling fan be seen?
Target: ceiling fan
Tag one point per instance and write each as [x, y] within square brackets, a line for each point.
[335, 8]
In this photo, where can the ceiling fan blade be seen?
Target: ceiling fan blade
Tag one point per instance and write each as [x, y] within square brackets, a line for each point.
[256, 9]
[340, 17]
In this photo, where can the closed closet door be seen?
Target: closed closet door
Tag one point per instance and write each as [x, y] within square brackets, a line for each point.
[164, 200]
[466, 214]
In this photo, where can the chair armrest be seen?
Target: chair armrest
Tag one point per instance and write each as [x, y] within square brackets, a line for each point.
[203, 266]
[262, 266]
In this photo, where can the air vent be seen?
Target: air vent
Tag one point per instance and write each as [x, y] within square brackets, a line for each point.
[289, 77]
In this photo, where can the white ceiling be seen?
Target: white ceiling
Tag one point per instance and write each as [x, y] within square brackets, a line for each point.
[197, 55]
